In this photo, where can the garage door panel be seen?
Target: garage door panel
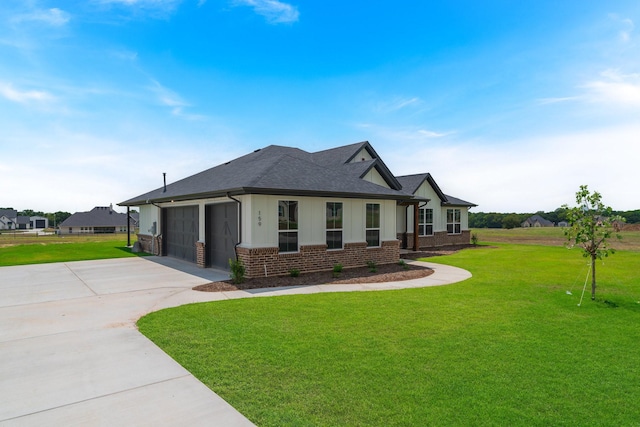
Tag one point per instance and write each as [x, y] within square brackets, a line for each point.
[181, 232]
[222, 233]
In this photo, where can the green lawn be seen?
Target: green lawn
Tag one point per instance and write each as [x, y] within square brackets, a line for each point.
[32, 250]
[507, 347]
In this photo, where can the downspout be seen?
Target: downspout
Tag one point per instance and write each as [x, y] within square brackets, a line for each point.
[235, 247]
[406, 227]
[128, 228]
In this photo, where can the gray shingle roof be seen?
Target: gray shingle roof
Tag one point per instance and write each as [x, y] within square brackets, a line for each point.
[100, 216]
[9, 213]
[280, 170]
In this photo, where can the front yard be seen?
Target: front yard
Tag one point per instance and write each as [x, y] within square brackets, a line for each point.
[508, 347]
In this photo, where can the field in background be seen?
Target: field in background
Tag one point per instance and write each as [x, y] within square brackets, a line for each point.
[549, 236]
[19, 248]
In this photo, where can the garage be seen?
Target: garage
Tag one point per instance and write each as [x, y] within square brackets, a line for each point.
[221, 225]
[180, 232]
[40, 223]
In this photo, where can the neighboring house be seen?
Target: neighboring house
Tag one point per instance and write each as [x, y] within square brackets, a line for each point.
[282, 208]
[8, 218]
[563, 224]
[537, 221]
[101, 219]
[38, 222]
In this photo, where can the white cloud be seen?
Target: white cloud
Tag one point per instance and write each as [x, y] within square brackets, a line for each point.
[54, 17]
[90, 170]
[274, 11]
[412, 135]
[526, 175]
[7, 91]
[626, 27]
[171, 99]
[615, 88]
[396, 104]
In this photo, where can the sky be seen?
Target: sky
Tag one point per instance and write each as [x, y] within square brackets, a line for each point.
[511, 105]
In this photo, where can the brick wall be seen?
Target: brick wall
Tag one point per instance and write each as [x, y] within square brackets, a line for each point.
[315, 258]
[439, 238]
[151, 245]
[201, 261]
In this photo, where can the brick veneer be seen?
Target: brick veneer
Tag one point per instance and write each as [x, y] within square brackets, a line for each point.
[315, 258]
[439, 238]
[150, 244]
[200, 254]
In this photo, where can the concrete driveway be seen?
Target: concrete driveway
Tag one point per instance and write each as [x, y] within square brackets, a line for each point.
[70, 353]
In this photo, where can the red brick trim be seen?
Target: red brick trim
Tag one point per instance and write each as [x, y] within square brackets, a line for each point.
[440, 238]
[258, 261]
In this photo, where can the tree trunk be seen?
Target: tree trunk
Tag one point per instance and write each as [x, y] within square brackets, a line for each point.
[593, 277]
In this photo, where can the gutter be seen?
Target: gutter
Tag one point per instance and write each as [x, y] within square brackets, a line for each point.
[235, 247]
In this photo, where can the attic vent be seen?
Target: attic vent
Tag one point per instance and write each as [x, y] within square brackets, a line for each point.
[362, 159]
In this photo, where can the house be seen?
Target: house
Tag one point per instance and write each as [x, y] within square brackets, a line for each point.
[537, 221]
[282, 208]
[8, 218]
[101, 219]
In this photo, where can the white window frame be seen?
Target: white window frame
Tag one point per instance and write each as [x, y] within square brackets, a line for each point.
[372, 226]
[454, 216]
[335, 229]
[284, 207]
[423, 223]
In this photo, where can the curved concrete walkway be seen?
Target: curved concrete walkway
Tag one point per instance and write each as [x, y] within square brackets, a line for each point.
[70, 353]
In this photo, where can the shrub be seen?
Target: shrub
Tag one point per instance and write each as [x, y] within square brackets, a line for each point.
[294, 272]
[372, 266]
[337, 268]
[237, 271]
[474, 239]
[402, 263]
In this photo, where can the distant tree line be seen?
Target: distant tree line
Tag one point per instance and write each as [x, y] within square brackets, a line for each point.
[514, 220]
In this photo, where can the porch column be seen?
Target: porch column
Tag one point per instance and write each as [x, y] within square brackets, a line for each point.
[416, 244]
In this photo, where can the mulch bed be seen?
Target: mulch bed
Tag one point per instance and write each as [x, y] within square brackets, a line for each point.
[384, 273]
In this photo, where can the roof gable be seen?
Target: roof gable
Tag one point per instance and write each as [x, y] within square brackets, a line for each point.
[411, 184]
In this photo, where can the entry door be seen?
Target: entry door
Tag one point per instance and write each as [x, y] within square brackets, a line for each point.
[222, 234]
[180, 232]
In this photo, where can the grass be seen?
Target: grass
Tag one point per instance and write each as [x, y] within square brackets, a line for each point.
[506, 347]
[22, 249]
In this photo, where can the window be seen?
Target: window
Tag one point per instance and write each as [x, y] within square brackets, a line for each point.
[425, 222]
[453, 221]
[287, 226]
[334, 225]
[372, 226]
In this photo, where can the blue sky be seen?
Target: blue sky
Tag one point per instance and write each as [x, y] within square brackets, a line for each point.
[509, 104]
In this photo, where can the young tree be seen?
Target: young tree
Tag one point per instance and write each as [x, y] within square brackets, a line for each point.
[591, 224]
